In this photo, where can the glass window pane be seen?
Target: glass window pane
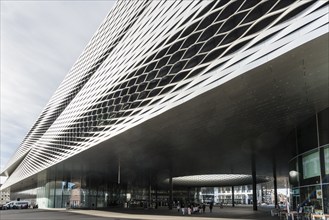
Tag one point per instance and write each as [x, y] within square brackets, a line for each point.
[326, 159]
[311, 165]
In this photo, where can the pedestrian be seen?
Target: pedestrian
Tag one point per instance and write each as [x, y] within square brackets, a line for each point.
[178, 206]
[203, 208]
[183, 209]
[189, 210]
[210, 206]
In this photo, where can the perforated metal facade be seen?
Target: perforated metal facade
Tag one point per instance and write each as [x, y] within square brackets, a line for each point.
[150, 56]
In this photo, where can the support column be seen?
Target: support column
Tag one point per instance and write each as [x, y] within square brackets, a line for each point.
[253, 173]
[275, 182]
[198, 194]
[188, 194]
[96, 196]
[150, 193]
[170, 192]
[119, 171]
[321, 154]
[62, 197]
[233, 196]
[156, 196]
[54, 205]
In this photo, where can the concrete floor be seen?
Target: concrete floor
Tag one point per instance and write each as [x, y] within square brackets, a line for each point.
[226, 213]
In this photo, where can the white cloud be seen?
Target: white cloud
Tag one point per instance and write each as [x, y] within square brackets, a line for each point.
[40, 41]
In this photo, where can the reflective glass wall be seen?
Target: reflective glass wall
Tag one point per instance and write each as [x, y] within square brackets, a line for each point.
[74, 193]
[309, 170]
[56, 190]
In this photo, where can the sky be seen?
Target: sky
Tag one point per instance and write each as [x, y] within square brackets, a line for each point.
[40, 41]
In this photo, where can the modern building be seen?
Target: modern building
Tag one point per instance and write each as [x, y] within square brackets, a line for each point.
[4, 196]
[173, 89]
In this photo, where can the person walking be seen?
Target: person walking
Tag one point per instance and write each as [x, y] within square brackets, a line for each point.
[189, 210]
[178, 206]
[211, 206]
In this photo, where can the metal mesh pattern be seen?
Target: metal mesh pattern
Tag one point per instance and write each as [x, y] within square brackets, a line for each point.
[150, 56]
[217, 180]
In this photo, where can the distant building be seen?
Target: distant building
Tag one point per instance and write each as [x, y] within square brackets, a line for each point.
[4, 195]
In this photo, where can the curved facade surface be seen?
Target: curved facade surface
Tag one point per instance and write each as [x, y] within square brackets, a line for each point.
[150, 56]
[309, 170]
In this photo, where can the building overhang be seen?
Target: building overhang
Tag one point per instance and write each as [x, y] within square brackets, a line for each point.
[216, 131]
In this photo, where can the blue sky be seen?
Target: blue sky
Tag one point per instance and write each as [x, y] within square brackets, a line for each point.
[40, 41]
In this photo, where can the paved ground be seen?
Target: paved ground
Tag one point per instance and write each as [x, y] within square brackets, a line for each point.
[39, 214]
[227, 213]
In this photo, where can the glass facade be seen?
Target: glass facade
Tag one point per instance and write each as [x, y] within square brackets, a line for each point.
[308, 181]
[309, 170]
[60, 191]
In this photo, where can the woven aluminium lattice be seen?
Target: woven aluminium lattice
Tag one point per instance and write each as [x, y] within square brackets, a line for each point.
[150, 56]
[217, 180]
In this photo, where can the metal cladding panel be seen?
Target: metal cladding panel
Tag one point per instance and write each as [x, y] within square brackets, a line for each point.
[150, 56]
